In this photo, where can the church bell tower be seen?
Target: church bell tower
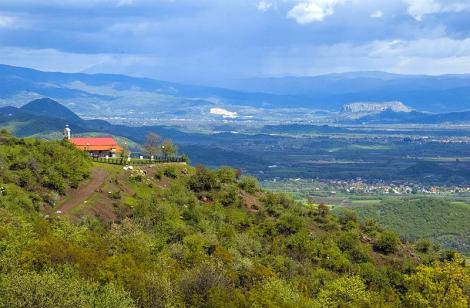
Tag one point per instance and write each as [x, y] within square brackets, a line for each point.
[67, 132]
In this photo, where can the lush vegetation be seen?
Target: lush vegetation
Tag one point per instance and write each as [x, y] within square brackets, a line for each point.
[40, 168]
[202, 238]
[441, 221]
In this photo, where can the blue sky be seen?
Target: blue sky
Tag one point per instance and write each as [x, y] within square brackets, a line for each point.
[206, 40]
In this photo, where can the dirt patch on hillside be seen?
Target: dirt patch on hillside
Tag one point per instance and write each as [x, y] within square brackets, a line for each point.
[78, 196]
[250, 201]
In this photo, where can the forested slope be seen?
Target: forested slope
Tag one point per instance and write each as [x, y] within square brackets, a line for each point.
[197, 237]
[441, 221]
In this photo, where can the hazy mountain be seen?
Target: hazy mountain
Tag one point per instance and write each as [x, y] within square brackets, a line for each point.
[389, 117]
[375, 107]
[105, 94]
[23, 123]
[99, 95]
[48, 107]
[427, 93]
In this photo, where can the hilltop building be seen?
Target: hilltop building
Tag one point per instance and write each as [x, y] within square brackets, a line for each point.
[95, 146]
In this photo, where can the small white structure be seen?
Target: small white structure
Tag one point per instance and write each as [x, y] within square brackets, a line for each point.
[67, 132]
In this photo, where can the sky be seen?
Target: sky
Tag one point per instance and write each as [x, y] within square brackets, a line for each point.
[202, 41]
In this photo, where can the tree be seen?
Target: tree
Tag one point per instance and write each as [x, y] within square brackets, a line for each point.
[437, 286]
[125, 153]
[345, 292]
[169, 148]
[152, 145]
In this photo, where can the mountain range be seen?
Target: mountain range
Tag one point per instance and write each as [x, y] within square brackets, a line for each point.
[444, 93]
[108, 95]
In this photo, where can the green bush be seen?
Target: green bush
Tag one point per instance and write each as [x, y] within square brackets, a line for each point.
[226, 175]
[172, 172]
[203, 180]
[249, 184]
[387, 242]
[424, 246]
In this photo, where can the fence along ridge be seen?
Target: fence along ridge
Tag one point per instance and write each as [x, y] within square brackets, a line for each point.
[119, 161]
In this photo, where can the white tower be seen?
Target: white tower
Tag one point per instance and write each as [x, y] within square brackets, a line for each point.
[67, 132]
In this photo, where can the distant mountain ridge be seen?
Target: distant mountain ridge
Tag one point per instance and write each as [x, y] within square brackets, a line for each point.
[393, 117]
[375, 107]
[101, 91]
[109, 94]
[445, 93]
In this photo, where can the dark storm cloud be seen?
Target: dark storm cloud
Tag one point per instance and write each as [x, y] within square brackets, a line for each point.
[203, 40]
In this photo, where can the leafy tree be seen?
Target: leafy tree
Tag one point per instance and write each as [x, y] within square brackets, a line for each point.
[152, 146]
[277, 293]
[437, 286]
[169, 148]
[345, 292]
[126, 153]
[112, 296]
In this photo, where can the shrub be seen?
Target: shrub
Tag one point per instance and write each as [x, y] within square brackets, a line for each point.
[249, 184]
[424, 246]
[289, 224]
[345, 292]
[387, 242]
[229, 197]
[347, 216]
[198, 282]
[323, 210]
[171, 172]
[226, 175]
[55, 182]
[114, 195]
[203, 180]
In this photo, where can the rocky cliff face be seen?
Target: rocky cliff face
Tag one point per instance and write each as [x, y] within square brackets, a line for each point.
[366, 107]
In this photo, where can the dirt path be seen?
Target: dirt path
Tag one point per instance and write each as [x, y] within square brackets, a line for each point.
[78, 196]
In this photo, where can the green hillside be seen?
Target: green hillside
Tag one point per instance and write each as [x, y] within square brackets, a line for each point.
[171, 235]
[441, 221]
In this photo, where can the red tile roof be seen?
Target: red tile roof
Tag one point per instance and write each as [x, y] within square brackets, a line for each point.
[96, 144]
[94, 141]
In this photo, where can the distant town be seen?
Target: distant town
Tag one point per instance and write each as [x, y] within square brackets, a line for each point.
[360, 187]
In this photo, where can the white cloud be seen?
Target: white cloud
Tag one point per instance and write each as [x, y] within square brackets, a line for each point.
[54, 60]
[6, 21]
[264, 6]
[420, 8]
[309, 11]
[125, 2]
[377, 14]
[435, 56]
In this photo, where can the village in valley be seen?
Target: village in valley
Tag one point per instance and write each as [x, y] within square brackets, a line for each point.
[317, 189]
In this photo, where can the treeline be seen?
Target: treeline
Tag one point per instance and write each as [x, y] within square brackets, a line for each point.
[207, 238]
